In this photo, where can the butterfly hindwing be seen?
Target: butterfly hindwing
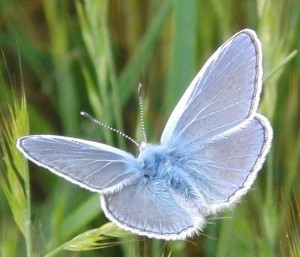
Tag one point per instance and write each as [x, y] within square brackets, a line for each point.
[224, 169]
[151, 208]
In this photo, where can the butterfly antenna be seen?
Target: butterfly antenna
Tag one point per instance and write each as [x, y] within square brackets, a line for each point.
[91, 118]
[142, 112]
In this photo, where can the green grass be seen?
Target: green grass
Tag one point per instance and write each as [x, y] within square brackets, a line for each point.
[89, 56]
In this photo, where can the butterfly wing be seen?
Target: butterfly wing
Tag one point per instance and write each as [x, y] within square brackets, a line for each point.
[223, 94]
[141, 205]
[150, 208]
[94, 166]
[215, 131]
[225, 169]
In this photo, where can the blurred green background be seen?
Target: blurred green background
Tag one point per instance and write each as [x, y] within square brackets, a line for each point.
[90, 55]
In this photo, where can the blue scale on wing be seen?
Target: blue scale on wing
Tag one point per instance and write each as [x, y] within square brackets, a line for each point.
[221, 168]
[221, 98]
[149, 206]
[92, 165]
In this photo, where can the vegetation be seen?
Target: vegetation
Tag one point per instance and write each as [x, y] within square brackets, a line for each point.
[63, 57]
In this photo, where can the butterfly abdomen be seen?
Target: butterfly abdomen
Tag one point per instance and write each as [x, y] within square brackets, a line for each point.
[163, 169]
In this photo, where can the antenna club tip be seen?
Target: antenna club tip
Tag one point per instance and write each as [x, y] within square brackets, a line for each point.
[140, 89]
[87, 115]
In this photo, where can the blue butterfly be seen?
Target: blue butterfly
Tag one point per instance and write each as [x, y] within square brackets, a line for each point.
[210, 151]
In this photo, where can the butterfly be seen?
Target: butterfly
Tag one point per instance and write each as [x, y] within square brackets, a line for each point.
[210, 151]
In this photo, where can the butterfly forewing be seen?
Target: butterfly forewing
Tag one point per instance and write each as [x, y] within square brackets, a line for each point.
[223, 94]
[94, 166]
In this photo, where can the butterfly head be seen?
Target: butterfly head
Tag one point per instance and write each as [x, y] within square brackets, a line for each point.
[153, 159]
